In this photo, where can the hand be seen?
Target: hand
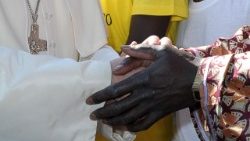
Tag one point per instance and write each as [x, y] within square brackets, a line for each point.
[162, 88]
[137, 60]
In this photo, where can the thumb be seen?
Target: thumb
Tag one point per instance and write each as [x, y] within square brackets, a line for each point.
[145, 53]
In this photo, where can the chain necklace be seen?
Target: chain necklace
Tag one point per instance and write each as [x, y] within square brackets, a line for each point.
[35, 43]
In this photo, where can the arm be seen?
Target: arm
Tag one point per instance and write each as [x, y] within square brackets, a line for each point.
[142, 26]
[155, 18]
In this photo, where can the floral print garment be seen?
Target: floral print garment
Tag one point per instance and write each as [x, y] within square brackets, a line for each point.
[226, 64]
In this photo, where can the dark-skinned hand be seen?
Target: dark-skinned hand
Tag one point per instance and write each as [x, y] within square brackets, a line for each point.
[165, 86]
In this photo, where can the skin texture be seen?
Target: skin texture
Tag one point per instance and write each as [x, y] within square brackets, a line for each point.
[153, 93]
[142, 26]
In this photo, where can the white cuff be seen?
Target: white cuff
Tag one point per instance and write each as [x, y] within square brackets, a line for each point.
[115, 135]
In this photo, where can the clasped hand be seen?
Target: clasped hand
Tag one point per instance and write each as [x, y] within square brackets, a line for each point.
[163, 87]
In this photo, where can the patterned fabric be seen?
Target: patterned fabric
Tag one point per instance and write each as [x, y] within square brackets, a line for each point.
[228, 85]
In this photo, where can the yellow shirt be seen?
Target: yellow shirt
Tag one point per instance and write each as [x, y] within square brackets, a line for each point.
[117, 15]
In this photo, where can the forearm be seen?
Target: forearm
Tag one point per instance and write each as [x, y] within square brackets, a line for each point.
[143, 26]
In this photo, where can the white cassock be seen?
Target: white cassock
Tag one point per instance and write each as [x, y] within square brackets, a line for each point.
[42, 97]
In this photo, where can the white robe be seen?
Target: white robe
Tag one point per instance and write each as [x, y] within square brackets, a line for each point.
[42, 97]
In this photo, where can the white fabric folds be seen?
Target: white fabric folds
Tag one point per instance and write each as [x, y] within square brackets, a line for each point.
[42, 98]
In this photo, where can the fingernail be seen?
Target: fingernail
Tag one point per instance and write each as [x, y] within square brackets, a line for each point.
[93, 117]
[125, 47]
[117, 67]
[89, 101]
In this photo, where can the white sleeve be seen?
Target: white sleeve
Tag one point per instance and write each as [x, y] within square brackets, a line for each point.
[89, 27]
[107, 53]
[42, 98]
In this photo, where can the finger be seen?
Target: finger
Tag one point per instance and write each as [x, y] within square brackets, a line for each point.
[143, 47]
[120, 108]
[165, 41]
[145, 123]
[129, 64]
[152, 40]
[131, 110]
[119, 89]
[142, 52]
[129, 117]
[133, 43]
[174, 46]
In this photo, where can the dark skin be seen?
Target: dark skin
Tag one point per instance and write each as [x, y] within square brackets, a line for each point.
[154, 92]
[197, 0]
[155, 25]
